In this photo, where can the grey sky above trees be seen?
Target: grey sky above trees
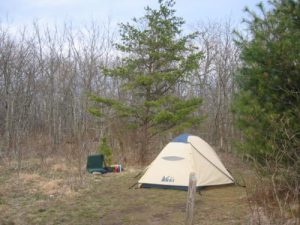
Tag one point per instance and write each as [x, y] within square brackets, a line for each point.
[20, 12]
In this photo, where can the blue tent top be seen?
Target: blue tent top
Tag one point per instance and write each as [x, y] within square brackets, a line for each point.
[182, 138]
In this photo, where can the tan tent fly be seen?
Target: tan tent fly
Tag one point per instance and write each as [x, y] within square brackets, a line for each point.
[183, 155]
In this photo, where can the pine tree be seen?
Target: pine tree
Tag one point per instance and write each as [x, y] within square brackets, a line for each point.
[268, 102]
[105, 150]
[157, 58]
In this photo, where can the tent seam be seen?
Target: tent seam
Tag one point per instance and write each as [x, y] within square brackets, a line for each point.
[212, 163]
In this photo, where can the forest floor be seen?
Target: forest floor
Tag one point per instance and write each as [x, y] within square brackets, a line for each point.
[56, 194]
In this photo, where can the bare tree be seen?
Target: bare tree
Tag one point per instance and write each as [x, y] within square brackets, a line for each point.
[215, 80]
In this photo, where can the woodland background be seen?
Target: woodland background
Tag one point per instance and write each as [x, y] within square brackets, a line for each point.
[48, 73]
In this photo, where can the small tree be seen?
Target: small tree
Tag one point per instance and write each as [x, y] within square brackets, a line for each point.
[105, 150]
[157, 58]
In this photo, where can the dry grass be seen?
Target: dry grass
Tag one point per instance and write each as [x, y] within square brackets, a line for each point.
[63, 167]
[27, 178]
[40, 184]
[54, 195]
[51, 187]
[267, 209]
[60, 167]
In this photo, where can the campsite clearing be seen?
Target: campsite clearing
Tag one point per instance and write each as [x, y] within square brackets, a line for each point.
[57, 195]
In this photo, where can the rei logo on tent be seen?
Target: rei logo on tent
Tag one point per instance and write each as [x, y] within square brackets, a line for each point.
[167, 179]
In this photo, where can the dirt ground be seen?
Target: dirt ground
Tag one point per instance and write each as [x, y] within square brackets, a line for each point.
[55, 194]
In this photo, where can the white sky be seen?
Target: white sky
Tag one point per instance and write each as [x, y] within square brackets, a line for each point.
[79, 12]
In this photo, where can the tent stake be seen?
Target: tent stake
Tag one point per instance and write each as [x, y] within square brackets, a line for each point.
[191, 199]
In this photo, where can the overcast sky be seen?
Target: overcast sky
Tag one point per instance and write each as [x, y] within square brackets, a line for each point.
[82, 11]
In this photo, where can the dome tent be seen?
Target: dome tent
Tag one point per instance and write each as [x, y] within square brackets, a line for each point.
[185, 154]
